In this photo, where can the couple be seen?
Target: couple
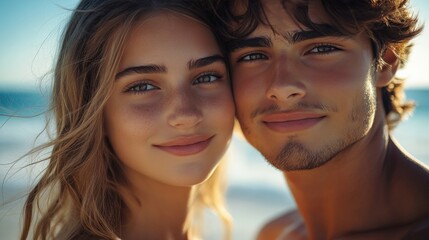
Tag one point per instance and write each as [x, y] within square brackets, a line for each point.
[144, 112]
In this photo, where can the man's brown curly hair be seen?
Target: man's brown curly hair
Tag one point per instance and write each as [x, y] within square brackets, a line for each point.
[388, 23]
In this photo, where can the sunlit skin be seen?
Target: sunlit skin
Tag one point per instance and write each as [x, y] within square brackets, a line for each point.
[311, 105]
[296, 100]
[169, 119]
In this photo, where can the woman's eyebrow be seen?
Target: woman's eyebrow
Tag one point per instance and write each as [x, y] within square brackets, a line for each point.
[201, 62]
[152, 68]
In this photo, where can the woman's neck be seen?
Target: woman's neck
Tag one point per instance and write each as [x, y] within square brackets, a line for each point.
[155, 210]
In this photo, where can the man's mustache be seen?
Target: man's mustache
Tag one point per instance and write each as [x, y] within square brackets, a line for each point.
[301, 106]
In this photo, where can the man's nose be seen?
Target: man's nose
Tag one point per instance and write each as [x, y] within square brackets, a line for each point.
[285, 84]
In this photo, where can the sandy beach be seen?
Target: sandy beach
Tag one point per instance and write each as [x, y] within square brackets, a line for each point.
[250, 208]
[10, 213]
[256, 193]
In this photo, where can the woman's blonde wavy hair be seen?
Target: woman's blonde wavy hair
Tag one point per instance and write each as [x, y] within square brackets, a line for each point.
[77, 196]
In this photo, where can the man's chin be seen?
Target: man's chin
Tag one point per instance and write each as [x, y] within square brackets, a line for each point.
[296, 157]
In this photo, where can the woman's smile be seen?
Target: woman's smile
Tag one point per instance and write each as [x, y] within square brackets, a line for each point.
[186, 145]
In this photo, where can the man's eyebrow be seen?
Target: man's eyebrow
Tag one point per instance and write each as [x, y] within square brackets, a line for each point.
[153, 68]
[249, 42]
[322, 30]
[201, 62]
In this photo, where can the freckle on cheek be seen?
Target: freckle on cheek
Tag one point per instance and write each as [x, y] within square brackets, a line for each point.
[145, 111]
[207, 100]
[144, 118]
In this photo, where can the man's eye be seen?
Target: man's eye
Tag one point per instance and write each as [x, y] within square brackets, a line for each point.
[252, 57]
[206, 78]
[141, 87]
[323, 49]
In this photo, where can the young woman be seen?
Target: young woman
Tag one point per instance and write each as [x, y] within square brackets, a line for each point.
[144, 113]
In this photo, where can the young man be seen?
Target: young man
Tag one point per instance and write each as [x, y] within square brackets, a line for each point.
[315, 90]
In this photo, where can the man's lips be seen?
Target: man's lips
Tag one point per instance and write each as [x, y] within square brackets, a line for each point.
[291, 121]
[186, 145]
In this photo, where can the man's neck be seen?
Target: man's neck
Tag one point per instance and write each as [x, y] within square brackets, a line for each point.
[341, 196]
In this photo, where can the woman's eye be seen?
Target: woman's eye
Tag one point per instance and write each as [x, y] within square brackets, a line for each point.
[323, 49]
[141, 87]
[252, 57]
[206, 78]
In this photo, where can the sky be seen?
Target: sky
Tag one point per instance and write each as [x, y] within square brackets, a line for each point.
[30, 29]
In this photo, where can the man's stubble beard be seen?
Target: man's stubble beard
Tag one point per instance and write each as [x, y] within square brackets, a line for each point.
[295, 156]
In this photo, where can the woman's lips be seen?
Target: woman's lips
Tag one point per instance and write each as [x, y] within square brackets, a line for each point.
[291, 121]
[185, 146]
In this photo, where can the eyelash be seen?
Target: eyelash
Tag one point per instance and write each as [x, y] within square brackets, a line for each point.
[252, 57]
[323, 48]
[205, 75]
[133, 88]
[143, 86]
[320, 48]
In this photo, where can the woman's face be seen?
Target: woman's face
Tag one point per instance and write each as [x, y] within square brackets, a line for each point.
[171, 113]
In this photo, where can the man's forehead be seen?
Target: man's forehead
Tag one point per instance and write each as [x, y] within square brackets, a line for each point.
[279, 15]
[283, 8]
[239, 7]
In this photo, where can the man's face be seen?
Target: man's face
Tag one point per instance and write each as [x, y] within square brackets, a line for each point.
[302, 98]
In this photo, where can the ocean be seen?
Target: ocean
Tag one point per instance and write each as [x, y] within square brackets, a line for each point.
[256, 191]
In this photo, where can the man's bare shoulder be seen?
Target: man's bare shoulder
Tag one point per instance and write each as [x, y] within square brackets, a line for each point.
[288, 225]
[420, 230]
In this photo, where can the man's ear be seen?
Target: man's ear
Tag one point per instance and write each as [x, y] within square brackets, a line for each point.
[389, 68]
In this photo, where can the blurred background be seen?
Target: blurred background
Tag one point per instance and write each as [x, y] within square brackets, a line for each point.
[29, 33]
